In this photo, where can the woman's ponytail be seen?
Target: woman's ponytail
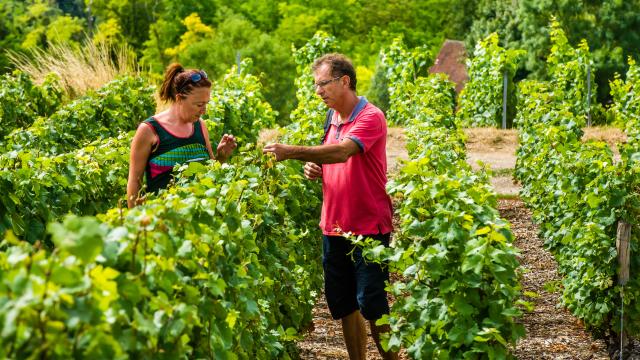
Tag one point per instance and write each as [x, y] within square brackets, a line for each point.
[168, 89]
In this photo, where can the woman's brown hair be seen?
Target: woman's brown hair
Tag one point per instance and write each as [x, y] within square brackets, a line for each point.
[180, 81]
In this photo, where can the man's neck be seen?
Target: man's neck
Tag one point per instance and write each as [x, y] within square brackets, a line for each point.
[345, 108]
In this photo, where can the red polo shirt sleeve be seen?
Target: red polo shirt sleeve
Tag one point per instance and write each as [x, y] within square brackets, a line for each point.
[367, 130]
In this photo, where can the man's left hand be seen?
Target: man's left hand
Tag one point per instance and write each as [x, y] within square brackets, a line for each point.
[281, 151]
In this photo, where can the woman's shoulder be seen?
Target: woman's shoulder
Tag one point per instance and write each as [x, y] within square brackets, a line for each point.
[160, 117]
[150, 123]
[146, 128]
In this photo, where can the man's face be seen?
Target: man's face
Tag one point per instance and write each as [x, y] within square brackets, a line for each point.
[327, 86]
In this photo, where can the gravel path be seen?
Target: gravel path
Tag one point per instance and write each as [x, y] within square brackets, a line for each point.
[552, 332]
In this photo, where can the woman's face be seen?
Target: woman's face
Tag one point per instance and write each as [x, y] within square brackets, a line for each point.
[194, 105]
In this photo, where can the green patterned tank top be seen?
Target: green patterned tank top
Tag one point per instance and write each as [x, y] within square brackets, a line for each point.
[172, 150]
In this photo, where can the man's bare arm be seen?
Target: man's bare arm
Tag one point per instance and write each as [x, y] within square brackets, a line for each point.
[322, 154]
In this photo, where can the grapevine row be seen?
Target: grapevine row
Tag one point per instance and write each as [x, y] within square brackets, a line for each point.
[215, 267]
[22, 102]
[115, 108]
[481, 102]
[578, 192]
[222, 265]
[90, 180]
[459, 291]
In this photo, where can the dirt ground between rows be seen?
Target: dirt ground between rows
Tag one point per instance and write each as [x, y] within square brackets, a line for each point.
[552, 332]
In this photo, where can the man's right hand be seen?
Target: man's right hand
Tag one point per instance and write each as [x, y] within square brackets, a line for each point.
[312, 171]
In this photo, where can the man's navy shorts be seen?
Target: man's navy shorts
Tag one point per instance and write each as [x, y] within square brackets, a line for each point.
[351, 283]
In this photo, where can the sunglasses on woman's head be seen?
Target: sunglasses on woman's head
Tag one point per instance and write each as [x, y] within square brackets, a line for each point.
[198, 75]
[195, 77]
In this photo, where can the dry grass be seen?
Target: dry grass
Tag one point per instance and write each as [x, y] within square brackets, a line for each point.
[490, 139]
[80, 69]
[396, 149]
[609, 134]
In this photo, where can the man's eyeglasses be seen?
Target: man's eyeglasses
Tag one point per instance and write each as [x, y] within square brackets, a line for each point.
[324, 83]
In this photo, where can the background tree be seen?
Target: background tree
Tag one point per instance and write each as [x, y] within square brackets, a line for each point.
[608, 26]
[265, 30]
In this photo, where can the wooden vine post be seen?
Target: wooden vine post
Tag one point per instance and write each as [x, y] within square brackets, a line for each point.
[622, 245]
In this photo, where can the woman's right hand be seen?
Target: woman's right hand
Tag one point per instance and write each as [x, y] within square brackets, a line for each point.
[225, 147]
[312, 171]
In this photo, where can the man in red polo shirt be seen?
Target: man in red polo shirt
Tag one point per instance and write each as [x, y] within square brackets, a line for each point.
[353, 166]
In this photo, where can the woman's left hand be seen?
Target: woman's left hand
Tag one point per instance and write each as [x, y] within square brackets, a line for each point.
[225, 147]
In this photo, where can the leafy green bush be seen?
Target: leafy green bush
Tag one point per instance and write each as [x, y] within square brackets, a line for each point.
[22, 102]
[41, 189]
[567, 69]
[627, 112]
[626, 101]
[221, 266]
[307, 119]
[458, 292]
[481, 100]
[237, 106]
[400, 70]
[117, 107]
[577, 194]
[378, 92]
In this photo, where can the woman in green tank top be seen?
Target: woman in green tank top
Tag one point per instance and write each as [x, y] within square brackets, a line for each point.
[174, 136]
